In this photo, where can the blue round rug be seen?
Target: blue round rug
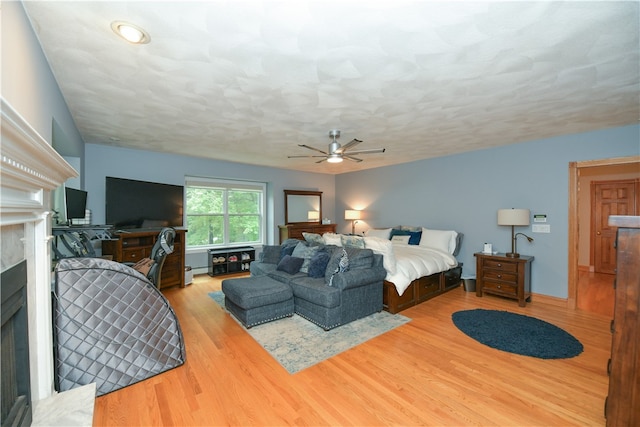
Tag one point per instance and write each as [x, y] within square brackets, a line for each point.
[517, 334]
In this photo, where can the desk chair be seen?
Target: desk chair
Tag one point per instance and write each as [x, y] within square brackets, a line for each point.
[159, 252]
[161, 248]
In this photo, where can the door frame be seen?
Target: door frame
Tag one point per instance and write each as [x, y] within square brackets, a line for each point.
[573, 241]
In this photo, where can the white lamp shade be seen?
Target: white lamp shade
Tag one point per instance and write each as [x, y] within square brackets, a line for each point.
[313, 215]
[351, 214]
[513, 216]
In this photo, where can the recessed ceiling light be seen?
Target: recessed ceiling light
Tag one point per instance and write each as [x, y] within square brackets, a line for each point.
[130, 32]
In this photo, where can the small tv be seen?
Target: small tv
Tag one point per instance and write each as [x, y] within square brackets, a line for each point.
[75, 203]
[142, 204]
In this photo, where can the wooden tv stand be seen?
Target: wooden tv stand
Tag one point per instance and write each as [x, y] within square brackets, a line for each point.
[134, 245]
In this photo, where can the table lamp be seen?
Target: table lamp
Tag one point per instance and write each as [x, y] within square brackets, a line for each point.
[353, 216]
[514, 217]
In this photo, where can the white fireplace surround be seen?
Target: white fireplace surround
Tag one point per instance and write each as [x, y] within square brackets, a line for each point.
[29, 170]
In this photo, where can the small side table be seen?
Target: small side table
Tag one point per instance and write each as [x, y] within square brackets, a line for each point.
[501, 275]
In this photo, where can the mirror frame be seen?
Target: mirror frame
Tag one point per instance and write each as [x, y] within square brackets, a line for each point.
[293, 193]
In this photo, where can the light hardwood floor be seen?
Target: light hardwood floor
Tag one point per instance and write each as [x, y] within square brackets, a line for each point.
[423, 373]
[596, 293]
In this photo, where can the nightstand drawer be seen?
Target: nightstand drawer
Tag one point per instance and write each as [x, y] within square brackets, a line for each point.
[500, 287]
[499, 265]
[133, 255]
[499, 275]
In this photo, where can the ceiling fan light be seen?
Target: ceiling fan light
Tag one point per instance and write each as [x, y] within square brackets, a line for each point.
[334, 158]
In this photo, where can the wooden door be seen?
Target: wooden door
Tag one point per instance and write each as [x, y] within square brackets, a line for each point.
[609, 198]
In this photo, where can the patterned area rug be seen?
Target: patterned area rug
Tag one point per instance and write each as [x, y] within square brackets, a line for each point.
[297, 343]
[517, 334]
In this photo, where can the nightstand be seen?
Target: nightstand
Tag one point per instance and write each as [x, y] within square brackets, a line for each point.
[501, 275]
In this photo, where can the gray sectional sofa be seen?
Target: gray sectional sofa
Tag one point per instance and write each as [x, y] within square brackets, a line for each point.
[326, 297]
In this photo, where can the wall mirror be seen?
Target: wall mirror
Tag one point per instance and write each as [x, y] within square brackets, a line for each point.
[302, 206]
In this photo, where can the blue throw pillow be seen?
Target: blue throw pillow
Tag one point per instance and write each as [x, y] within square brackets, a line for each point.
[290, 264]
[398, 232]
[414, 236]
[318, 264]
[286, 250]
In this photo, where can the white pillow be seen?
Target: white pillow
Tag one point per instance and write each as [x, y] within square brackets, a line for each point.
[400, 240]
[332, 239]
[385, 248]
[382, 233]
[443, 240]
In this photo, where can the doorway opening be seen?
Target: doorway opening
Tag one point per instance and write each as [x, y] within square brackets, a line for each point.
[580, 220]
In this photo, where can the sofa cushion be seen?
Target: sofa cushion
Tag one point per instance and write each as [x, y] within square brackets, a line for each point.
[315, 291]
[359, 258]
[318, 263]
[290, 264]
[271, 254]
[258, 268]
[304, 251]
[339, 263]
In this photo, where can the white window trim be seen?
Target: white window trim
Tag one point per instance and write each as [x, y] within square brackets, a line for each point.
[229, 184]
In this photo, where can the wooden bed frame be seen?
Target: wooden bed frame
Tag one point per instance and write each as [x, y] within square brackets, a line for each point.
[420, 290]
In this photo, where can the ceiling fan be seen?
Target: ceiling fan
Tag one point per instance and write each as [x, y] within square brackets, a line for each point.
[337, 152]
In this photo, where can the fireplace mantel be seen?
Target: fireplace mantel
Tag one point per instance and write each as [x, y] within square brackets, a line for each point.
[29, 170]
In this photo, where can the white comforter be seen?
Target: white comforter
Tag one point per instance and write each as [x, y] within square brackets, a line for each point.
[414, 261]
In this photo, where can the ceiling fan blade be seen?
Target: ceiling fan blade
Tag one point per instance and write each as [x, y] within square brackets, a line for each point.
[371, 151]
[348, 145]
[353, 159]
[312, 148]
[298, 157]
[320, 161]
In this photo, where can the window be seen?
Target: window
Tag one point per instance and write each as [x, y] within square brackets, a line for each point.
[223, 213]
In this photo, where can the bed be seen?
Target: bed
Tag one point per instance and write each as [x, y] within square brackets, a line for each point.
[419, 267]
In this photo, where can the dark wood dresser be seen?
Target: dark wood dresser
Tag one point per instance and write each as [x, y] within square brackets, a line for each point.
[294, 231]
[501, 275]
[622, 406]
[136, 245]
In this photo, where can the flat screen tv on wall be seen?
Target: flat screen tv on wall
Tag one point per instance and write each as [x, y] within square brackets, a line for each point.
[142, 204]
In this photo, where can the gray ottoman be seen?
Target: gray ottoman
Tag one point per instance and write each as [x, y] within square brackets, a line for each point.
[259, 299]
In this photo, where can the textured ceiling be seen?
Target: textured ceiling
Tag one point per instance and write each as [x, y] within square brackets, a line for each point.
[248, 81]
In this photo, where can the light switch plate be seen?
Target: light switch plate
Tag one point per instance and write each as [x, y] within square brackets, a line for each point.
[541, 228]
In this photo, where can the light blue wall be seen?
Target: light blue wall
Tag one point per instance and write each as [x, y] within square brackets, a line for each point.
[102, 161]
[463, 192]
[28, 84]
